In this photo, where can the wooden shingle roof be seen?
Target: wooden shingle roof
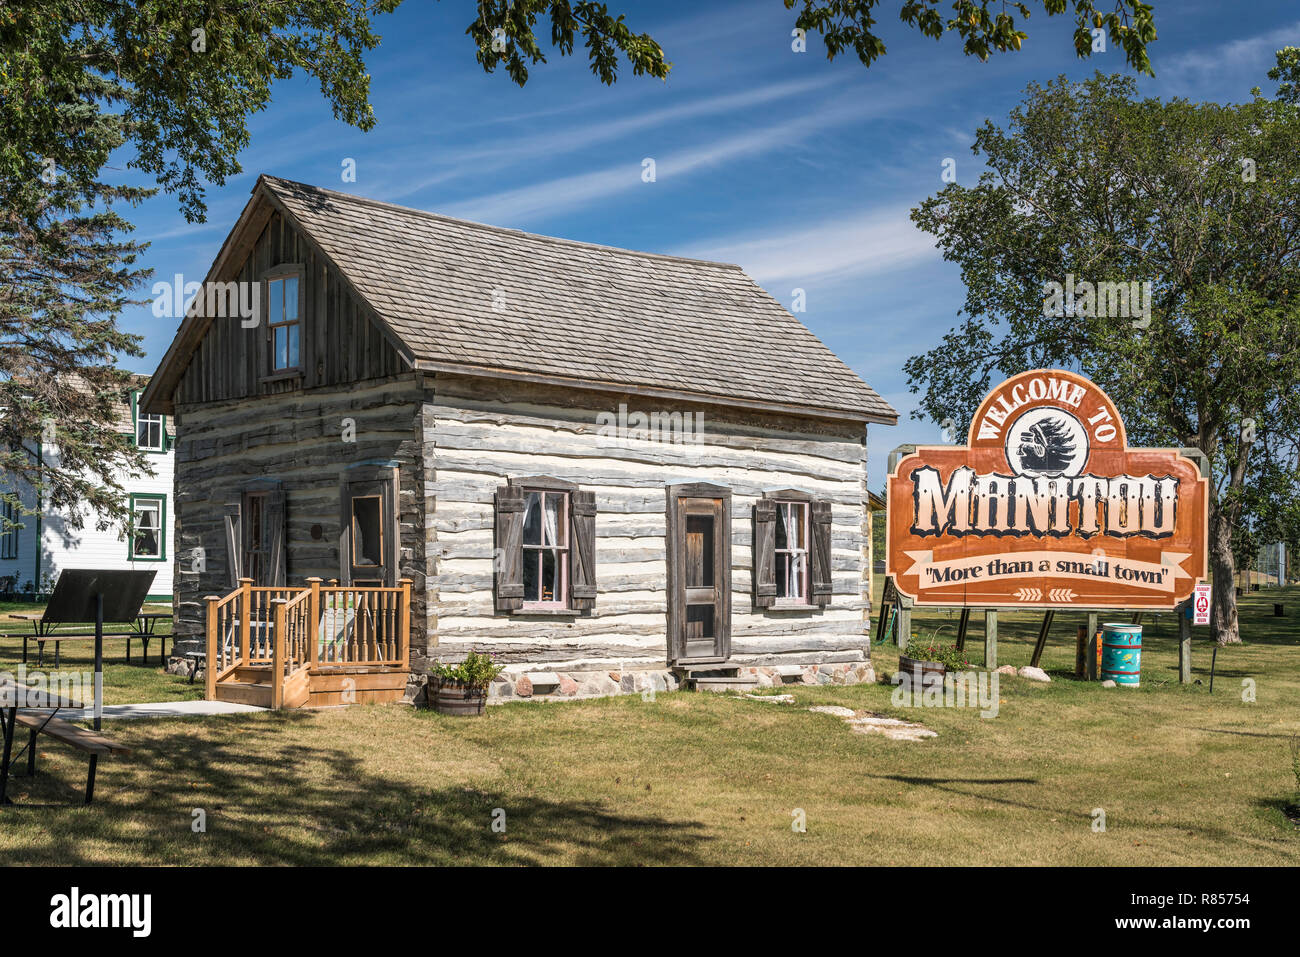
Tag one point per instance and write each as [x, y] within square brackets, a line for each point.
[465, 296]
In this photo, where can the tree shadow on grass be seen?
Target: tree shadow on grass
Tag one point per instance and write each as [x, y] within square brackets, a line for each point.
[269, 799]
[948, 786]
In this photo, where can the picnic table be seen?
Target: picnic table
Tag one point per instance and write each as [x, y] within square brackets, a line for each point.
[144, 628]
[14, 696]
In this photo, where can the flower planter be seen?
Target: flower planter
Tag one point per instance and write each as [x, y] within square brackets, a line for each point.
[922, 673]
[455, 697]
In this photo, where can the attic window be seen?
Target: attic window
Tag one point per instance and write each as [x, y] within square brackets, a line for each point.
[149, 434]
[282, 316]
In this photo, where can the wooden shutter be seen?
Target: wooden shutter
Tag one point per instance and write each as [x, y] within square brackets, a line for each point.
[582, 550]
[234, 544]
[508, 559]
[275, 520]
[764, 557]
[821, 553]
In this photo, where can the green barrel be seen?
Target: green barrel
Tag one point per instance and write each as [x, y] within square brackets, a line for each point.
[1121, 654]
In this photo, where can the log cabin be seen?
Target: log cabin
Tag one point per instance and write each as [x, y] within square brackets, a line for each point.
[613, 470]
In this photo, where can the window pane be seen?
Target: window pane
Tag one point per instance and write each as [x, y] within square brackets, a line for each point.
[146, 531]
[281, 350]
[782, 538]
[293, 346]
[783, 575]
[552, 526]
[699, 551]
[550, 580]
[367, 533]
[275, 308]
[291, 298]
[797, 526]
[533, 519]
[532, 578]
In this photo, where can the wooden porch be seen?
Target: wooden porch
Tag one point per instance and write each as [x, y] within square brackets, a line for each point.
[313, 646]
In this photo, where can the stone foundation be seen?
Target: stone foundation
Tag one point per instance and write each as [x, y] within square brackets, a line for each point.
[522, 684]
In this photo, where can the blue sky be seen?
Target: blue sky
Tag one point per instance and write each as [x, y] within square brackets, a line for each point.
[800, 170]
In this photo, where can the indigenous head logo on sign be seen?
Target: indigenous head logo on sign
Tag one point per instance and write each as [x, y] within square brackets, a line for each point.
[1047, 505]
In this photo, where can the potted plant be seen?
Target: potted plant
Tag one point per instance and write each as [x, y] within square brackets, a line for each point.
[927, 661]
[462, 688]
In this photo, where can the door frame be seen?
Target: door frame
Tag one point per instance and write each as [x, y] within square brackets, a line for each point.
[675, 543]
[386, 478]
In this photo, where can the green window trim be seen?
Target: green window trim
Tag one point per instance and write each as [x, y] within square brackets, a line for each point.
[162, 528]
[9, 538]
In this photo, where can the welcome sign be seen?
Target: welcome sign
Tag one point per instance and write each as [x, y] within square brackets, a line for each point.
[1046, 505]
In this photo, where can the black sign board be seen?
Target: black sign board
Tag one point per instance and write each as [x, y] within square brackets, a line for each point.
[77, 590]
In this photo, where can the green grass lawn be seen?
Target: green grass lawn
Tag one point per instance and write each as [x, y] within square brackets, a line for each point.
[123, 683]
[1182, 776]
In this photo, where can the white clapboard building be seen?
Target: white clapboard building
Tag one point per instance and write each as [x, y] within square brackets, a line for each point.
[32, 556]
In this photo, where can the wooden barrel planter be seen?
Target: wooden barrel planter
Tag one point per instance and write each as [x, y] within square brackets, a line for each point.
[923, 673]
[453, 697]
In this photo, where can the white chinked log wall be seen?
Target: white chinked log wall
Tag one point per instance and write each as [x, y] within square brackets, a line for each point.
[481, 432]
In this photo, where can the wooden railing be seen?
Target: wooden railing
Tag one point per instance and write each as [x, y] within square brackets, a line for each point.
[316, 626]
[222, 647]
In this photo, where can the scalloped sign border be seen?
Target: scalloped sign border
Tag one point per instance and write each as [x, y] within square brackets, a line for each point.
[1046, 506]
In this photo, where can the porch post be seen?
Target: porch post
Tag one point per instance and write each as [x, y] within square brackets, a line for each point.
[277, 652]
[404, 629]
[245, 613]
[313, 624]
[213, 649]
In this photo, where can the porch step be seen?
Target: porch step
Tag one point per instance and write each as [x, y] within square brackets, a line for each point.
[716, 677]
[257, 693]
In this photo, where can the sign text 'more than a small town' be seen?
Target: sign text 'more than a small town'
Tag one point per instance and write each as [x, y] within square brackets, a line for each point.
[1046, 505]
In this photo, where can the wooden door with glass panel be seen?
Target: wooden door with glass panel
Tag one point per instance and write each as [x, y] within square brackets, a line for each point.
[699, 574]
[369, 547]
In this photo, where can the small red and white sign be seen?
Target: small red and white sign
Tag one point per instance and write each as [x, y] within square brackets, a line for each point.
[1201, 605]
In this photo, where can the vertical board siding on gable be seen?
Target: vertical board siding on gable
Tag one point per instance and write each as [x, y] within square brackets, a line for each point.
[297, 440]
[341, 341]
[479, 433]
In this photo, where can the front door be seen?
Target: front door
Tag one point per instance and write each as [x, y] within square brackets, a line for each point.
[699, 574]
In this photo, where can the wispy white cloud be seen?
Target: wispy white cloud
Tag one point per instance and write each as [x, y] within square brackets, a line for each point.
[1249, 58]
[509, 151]
[569, 193]
[866, 243]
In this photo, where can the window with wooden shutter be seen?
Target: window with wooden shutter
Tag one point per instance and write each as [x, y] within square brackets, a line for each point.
[791, 551]
[545, 540]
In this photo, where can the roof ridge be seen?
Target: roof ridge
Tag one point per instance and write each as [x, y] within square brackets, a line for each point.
[442, 217]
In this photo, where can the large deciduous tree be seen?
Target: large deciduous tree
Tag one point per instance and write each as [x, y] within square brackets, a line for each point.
[1202, 200]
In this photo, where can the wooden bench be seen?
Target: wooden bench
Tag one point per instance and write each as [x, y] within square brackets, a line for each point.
[91, 742]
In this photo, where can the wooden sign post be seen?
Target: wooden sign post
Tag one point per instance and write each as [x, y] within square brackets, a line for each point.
[1046, 506]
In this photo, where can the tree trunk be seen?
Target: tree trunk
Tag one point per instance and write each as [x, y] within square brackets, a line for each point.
[1223, 601]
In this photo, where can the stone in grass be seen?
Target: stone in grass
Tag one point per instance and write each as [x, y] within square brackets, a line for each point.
[1033, 674]
[836, 710]
[1108, 683]
[891, 728]
[773, 698]
[1007, 670]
